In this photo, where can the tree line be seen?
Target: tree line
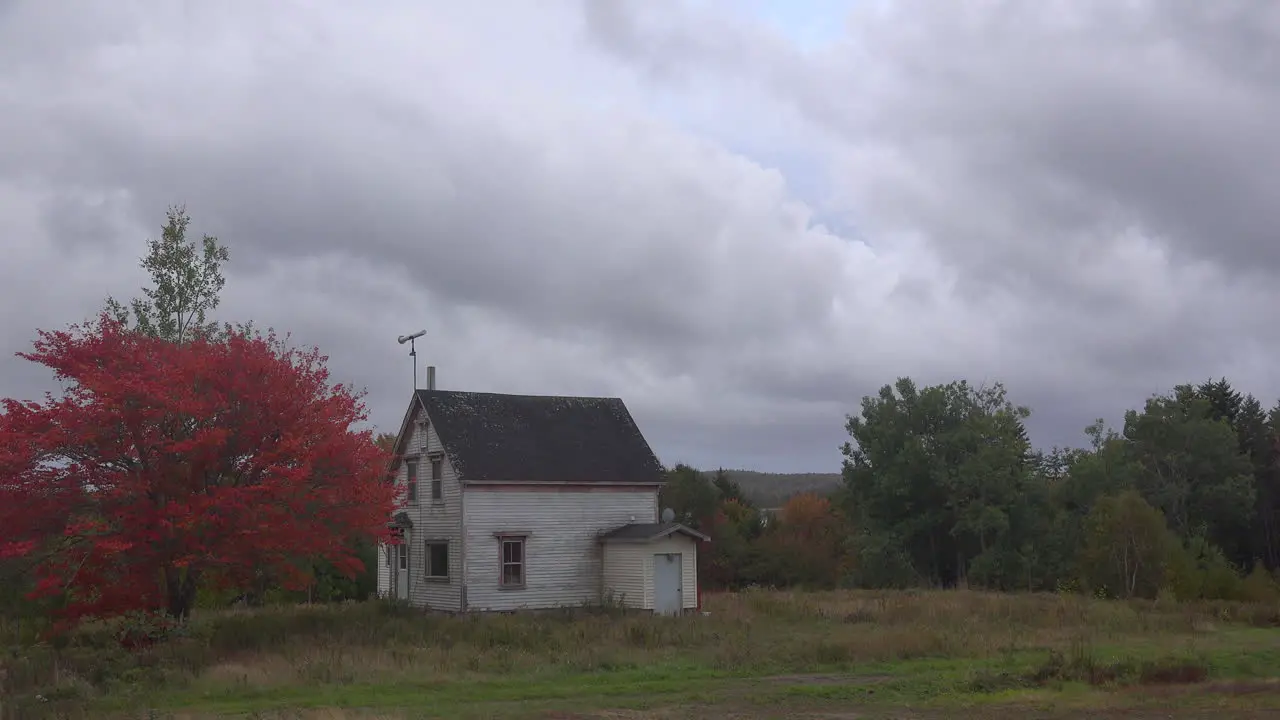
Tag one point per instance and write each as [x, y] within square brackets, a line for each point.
[942, 488]
[773, 489]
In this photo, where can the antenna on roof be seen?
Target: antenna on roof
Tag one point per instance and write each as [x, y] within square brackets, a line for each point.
[668, 515]
[413, 353]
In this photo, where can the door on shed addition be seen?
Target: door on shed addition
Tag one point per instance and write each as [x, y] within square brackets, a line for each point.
[668, 582]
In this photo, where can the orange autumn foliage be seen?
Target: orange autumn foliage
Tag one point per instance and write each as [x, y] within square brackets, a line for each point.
[809, 540]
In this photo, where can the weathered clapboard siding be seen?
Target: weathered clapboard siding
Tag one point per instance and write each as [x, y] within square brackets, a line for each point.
[624, 574]
[688, 549]
[563, 554]
[384, 573]
[628, 570]
[432, 521]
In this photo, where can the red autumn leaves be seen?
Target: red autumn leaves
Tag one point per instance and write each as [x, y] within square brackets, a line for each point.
[170, 466]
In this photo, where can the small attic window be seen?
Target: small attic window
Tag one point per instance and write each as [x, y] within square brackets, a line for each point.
[423, 425]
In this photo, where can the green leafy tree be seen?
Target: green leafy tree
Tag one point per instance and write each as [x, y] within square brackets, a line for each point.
[1256, 441]
[1035, 551]
[1222, 401]
[732, 559]
[727, 487]
[187, 282]
[1107, 466]
[332, 585]
[1068, 486]
[1191, 467]
[1128, 547]
[880, 561]
[1265, 451]
[1244, 544]
[690, 495]
[1200, 570]
[938, 472]
[988, 455]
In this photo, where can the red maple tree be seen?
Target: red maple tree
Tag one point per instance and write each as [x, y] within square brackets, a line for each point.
[168, 466]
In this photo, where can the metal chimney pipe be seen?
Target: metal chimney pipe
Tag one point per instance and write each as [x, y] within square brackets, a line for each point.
[431, 377]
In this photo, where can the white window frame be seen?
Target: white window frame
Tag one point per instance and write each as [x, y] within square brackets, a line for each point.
[437, 479]
[522, 541]
[430, 569]
[411, 479]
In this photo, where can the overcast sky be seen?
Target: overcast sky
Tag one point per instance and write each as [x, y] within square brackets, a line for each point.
[739, 216]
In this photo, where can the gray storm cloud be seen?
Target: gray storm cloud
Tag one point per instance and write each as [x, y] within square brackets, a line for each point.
[1074, 198]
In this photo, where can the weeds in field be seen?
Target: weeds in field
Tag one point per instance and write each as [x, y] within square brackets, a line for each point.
[753, 632]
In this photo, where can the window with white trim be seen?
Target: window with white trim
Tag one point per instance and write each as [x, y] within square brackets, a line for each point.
[437, 479]
[411, 470]
[438, 559]
[512, 551]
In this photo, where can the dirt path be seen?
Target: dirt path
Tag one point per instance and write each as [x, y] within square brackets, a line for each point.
[889, 713]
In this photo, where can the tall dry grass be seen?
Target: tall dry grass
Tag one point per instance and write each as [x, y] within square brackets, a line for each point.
[748, 632]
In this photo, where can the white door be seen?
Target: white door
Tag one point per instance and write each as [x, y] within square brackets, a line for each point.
[401, 569]
[668, 583]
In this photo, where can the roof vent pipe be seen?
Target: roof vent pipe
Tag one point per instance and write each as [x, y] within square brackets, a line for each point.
[431, 377]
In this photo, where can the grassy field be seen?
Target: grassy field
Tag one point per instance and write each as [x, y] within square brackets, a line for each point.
[757, 655]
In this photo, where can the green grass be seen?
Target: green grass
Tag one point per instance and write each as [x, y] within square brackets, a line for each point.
[758, 654]
[452, 699]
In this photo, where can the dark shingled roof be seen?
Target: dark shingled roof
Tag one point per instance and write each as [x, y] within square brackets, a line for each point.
[540, 438]
[640, 532]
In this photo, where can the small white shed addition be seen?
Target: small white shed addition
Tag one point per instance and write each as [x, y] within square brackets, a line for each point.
[652, 566]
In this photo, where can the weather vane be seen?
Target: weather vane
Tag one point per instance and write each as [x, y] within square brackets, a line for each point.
[413, 353]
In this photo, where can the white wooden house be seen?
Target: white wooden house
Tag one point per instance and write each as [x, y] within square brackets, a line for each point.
[514, 502]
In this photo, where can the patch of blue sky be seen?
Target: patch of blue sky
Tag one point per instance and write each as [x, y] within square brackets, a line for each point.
[810, 24]
[807, 181]
[755, 125]
[804, 171]
[756, 128]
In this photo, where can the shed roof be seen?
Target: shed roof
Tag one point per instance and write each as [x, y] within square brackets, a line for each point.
[540, 438]
[649, 532]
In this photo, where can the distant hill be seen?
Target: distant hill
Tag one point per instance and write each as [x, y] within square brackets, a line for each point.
[771, 490]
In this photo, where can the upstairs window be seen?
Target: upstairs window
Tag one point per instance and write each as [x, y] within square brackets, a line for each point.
[411, 469]
[437, 479]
